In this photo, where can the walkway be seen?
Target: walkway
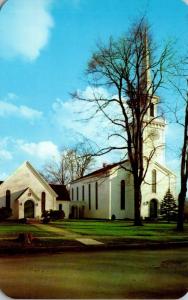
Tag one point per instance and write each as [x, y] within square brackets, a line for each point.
[59, 231]
[67, 234]
[89, 242]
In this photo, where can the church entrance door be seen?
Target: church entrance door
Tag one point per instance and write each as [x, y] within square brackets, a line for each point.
[153, 209]
[29, 209]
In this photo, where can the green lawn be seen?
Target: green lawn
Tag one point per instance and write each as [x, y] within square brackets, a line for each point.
[103, 230]
[123, 229]
[12, 229]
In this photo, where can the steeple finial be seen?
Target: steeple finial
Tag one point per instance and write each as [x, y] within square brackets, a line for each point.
[146, 62]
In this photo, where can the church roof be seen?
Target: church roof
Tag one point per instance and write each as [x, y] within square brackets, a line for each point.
[165, 169]
[103, 170]
[61, 191]
[17, 195]
[42, 180]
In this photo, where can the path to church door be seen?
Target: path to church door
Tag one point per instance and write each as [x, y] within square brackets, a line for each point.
[153, 209]
[29, 209]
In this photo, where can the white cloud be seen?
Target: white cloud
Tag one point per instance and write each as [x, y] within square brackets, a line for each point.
[9, 109]
[73, 116]
[25, 28]
[42, 150]
[185, 1]
[76, 115]
[4, 153]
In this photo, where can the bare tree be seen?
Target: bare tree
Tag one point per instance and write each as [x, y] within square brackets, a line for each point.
[184, 171]
[179, 81]
[184, 160]
[72, 164]
[133, 71]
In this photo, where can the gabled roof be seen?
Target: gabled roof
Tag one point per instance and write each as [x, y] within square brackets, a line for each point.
[20, 193]
[61, 191]
[165, 169]
[36, 174]
[42, 180]
[102, 171]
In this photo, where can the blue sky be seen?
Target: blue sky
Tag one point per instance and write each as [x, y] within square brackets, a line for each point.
[44, 49]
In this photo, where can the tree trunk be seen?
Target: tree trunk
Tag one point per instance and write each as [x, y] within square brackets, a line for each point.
[137, 203]
[181, 204]
[184, 173]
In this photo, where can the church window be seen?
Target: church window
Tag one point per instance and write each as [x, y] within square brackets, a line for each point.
[60, 207]
[154, 181]
[89, 195]
[8, 199]
[43, 201]
[122, 195]
[72, 194]
[77, 193]
[83, 193]
[96, 195]
[152, 110]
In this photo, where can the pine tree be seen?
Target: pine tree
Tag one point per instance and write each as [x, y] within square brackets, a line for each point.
[168, 208]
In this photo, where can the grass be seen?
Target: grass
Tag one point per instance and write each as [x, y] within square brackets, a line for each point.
[102, 230]
[124, 229]
[12, 229]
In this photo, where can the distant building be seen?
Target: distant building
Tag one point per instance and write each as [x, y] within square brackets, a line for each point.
[28, 194]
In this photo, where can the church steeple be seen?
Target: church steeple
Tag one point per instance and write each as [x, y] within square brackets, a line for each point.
[146, 71]
[154, 134]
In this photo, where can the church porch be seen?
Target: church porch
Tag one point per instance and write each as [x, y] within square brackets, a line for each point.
[28, 205]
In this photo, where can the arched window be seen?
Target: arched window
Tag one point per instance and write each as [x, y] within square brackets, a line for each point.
[43, 202]
[96, 195]
[152, 110]
[72, 194]
[77, 193]
[89, 195]
[122, 195]
[8, 198]
[154, 181]
[83, 193]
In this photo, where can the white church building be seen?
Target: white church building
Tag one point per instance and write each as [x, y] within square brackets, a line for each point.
[103, 194]
[29, 195]
[108, 192]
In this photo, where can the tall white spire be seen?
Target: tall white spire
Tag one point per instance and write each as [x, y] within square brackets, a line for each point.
[145, 64]
[2, 2]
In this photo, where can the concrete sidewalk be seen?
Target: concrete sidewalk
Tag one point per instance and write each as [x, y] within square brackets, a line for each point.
[68, 234]
[58, 231]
